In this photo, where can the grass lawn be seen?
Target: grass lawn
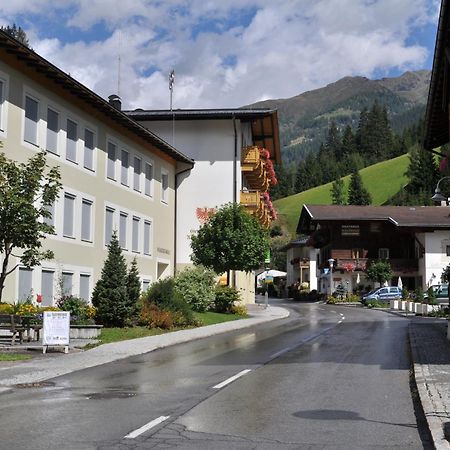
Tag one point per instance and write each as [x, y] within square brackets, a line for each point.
[122, 334]
[7, 356]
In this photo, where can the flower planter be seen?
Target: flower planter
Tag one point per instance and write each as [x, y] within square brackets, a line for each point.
[403, 305]
[418, 308]
[85, 331]
[411, 307]
[395, 304]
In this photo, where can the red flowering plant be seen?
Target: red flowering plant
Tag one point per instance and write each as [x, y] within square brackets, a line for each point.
[349, 267]
[264, 153]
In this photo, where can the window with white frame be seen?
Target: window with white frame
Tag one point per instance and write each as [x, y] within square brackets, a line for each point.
[52, 131]
[47, 280]
[124, 167]
[109, 223]
[383, 253]
[145, 285]
[67, 283]
[123, 229]
[147, 237]
[164, 187]
[31, 120]
[71, 142]
[135, 234]
[50, 220]
[86, 219]
[137, 174]
[69, 207]
[25, 283]
[148, 188]
[85, 281]
[111, 166]
[88, 149]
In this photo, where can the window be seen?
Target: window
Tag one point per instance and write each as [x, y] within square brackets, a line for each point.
[47, 287]
[88, 149]
[86, 217]
[357, 253]
[67, 283]
[145, 285]
[164, 187]
[123, 230]
[448, 250]
[375, 227]
[25, 283]
[125, 165]
[85, 286]
[111, 169]
[72, 138]
[109, 219]
[148, 179]
[147, 234]
[52, 130]
[2, 101]
[350, 230]
[137, 174]
[135, 237]
[31, 121]
[69, 204]
[50, 220]
[383, 253]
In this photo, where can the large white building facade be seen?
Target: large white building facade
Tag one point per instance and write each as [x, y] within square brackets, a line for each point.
[116, 175]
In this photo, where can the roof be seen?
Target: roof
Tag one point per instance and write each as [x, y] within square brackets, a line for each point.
[26, 59]
[300, 242]
[431, 217]
[437, 116]
[264, 122]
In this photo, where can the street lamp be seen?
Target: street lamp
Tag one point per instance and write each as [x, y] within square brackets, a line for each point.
[438, 197]
[331, 263]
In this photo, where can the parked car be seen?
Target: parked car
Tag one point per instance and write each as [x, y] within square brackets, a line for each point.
[383, 294]
[440, 292]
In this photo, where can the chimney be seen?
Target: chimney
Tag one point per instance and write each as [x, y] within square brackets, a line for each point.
[115, 101]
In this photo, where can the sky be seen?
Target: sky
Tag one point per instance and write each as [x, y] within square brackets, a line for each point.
[225, 53]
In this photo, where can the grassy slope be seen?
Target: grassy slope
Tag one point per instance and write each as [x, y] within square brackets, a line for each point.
[383, 180]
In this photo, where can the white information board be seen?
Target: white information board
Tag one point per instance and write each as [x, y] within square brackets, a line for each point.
[56, 328]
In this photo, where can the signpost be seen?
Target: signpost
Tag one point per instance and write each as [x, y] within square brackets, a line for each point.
[56, 330]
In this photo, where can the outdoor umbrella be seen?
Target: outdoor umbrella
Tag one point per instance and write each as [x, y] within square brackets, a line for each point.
[400, 283]
[358, 279]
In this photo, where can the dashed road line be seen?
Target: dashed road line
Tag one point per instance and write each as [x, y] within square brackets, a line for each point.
[275, 355]
[231, 379]
[146, 427]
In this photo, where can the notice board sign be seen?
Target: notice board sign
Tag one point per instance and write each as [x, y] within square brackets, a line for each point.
[56, 328]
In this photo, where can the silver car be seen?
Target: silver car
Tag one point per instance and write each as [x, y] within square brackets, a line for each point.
[383, 294]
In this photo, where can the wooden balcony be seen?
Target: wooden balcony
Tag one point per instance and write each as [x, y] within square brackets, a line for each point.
[253, 168]
[398, 265]
[255, 205]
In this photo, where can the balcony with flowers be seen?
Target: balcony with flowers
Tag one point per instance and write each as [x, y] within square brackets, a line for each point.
[257, 168]
[260, 205]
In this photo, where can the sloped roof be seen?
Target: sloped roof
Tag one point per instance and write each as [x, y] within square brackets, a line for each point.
[264, 122]
[437, 115]
[427, 217]
[26, 60]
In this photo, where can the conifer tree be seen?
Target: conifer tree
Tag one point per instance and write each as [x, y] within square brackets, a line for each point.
[337, 192]
[348, 141]
[110, 295]
[133, 287]
[357, 193]
[333, 143]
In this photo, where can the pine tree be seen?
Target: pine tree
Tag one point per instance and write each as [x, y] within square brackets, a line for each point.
[17, 33]
[333, 143]
[284, 186]
[348, 141]
[133, 287]
[361, 133]
[337, 192]
[110, 293]
[357, 193]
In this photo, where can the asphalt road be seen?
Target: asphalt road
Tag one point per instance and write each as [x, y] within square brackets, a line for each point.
[325, 378]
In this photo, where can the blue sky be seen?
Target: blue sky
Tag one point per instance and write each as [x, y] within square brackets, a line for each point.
[225, 53]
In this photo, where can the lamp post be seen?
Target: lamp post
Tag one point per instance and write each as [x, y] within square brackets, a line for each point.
[438, 197]
[331, 263]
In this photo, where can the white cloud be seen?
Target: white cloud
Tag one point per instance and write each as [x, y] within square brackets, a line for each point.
[232, 53]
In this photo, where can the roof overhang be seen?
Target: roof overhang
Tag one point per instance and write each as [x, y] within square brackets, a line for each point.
[26, 60]
[437, 112]
[264, 122]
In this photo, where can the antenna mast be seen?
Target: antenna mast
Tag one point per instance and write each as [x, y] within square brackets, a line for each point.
[119, 61]
[171, 83]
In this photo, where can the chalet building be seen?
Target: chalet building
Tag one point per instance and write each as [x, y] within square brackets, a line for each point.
[415, 241]
[234, 152]
[116, 175]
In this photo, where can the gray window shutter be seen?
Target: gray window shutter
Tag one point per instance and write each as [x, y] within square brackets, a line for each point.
[137, 174]
[123, 230]
[135, 243]
[86, 214]
[67, 283]
[125, 165]
[25, 283]
[69, 202]
[89, 149]
[31, 120]
[148, 179]
[109, 217]
[47, 287]
[84, 286]
[111, 169]
[72, 137]
[147, 231]
[52, 131]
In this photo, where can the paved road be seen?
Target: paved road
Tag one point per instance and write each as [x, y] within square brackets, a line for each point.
[323, 378]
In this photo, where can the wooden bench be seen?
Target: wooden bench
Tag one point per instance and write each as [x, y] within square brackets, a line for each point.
[13, 324]
[28, 326]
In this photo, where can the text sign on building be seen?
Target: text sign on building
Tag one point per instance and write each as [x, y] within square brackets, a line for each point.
[56, 328]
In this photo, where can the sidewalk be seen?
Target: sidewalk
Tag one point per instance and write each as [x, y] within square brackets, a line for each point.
[54, 364]
[431, 357]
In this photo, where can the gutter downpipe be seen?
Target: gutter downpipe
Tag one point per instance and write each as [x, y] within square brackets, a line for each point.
[235, 199]
[175, 222]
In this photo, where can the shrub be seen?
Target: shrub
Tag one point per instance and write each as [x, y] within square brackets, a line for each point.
[6, 308]
[163, 294]
[25, 309]
[225, 298]
[239, 310]
[155, 317]
[81, 313]
[196, 287]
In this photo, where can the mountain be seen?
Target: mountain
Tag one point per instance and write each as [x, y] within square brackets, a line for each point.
[304, 119]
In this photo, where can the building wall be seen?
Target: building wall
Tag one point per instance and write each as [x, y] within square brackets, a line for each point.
[435, 258]
[75, 255]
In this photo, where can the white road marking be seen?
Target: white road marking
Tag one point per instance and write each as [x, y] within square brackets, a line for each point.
[146, 427]
[342, 315]
[340, 321]
[275, 355]
[231, 379]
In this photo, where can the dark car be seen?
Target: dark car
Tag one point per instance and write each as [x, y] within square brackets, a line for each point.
[440, 292]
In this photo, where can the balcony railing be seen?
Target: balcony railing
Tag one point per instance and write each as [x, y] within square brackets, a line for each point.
[253, 168]
[398, 265]
[255, 205]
